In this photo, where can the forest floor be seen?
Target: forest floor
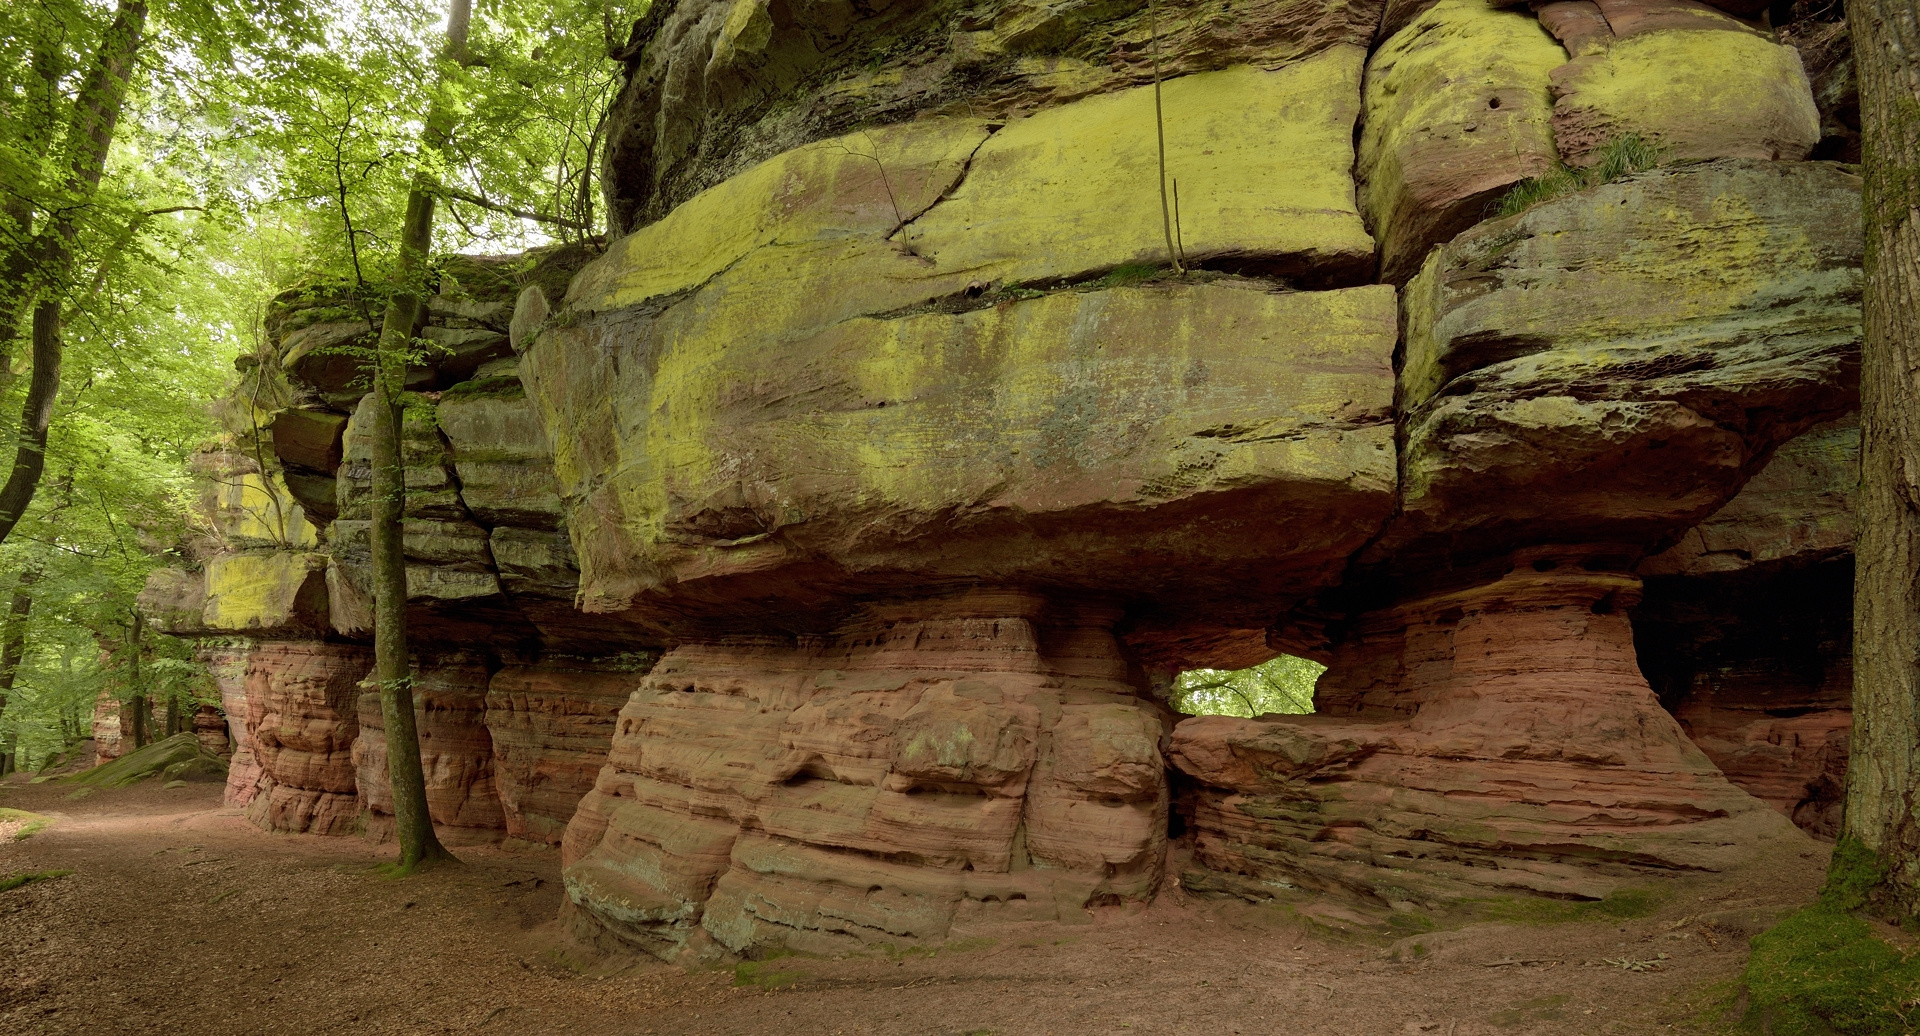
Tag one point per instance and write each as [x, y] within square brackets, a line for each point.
[179, 917]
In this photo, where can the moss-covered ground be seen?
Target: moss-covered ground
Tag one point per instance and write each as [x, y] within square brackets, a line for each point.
[1827, 970]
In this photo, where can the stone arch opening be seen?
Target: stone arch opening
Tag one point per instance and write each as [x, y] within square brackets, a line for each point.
[1283, 684]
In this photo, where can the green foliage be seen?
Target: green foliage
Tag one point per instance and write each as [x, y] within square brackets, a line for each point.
[1622, 157]
[264, 144]
[1823, 971]
[1131, 273]
[14, 881]
[1283, 684]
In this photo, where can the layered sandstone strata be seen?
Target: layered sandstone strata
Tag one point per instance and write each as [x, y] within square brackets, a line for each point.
[1584, 380]
[302, 720]
[979, 757]
[552, 724]
[1497, 738]
[228, 661]
[456, 755]
[1466, 100]
[760, 414]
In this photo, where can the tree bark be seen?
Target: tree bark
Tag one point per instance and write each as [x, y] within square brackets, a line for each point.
[50, 253]
[36, 418]
[1883, 778]
[413, 823]
[137, 703]
[12, 649]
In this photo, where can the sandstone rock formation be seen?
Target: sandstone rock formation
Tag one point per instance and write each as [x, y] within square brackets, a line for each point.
[980, 757]
[551, 726]
[1467, 100]
[281, 605]
[1746, 630]
[1492, 739]
[302, 722]
[456, 753]
[884, 421]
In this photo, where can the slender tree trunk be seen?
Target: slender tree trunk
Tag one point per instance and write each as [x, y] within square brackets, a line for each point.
[50, 253]
[1883, 778]
[13, 648]
[138, 703]
[412, 821]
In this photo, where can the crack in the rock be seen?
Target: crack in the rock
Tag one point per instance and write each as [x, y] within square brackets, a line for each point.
[959, 178]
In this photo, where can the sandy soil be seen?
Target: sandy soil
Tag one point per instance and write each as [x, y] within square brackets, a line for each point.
[179, 917]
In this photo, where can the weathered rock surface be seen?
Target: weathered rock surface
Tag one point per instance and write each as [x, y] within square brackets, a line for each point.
[974, 757]
[1610, 366]
[267, 591]
[716, 87]
[552, 724]
[1797, 509]
[210, 727]
[1033, 437]
[301, 719]
[456, 754]
[1694, 93]
[228, 660]
[1493, 739]
[1438, 147]
[1746, 628]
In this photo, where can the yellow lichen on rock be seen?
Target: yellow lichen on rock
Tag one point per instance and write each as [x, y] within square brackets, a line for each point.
[1695, 94]
[864, 183]
[266, 591]
[1457, 109]
[1056, 417]
[1263, 160]
[253, 511]
[894, 216]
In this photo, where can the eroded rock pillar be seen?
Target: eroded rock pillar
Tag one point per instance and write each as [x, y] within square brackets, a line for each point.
[978, 757]
[1488, 739]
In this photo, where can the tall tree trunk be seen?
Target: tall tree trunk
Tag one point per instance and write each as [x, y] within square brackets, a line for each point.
[405, 312]
[1883, 778]
[138, 703]
[12, 649]
[50, 253]
[36, 418]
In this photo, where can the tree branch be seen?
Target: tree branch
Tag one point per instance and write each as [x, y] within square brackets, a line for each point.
[494, 206]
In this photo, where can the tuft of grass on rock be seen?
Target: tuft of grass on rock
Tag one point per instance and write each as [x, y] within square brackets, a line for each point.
[14, 881]
[1824, 972]
[1622, 157]
[1130, 273]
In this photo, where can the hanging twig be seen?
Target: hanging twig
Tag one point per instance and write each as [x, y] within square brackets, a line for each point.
[1160, 132]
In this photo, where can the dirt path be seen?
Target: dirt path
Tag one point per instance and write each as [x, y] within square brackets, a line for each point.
[179, 917]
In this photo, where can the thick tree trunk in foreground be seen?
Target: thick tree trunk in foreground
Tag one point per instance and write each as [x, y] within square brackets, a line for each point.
[50, 253]
[412, 821]
[1883, 778]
